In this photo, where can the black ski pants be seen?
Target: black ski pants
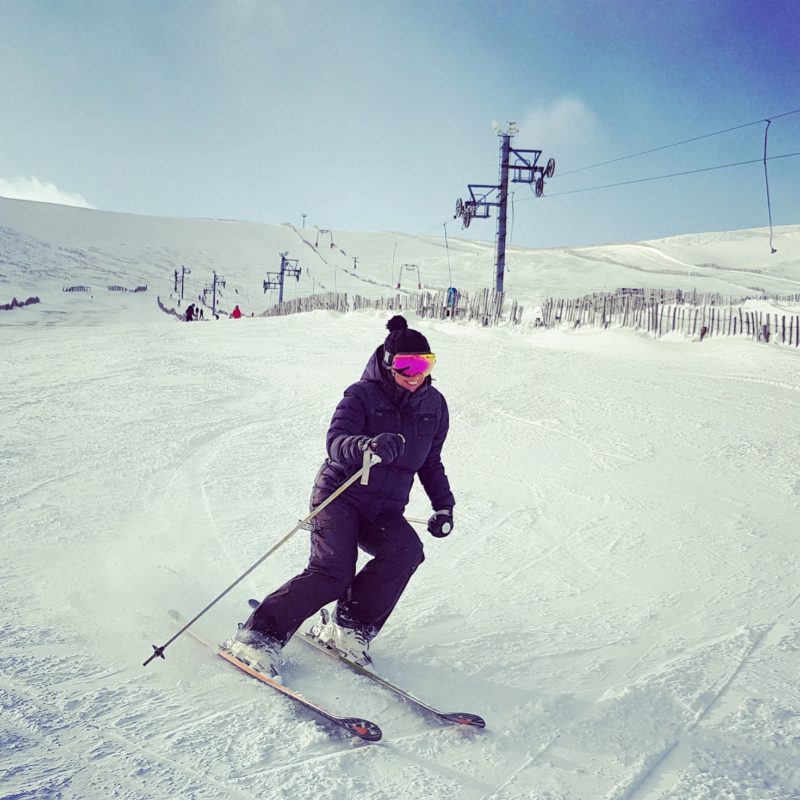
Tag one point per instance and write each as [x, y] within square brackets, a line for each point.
[365, 599]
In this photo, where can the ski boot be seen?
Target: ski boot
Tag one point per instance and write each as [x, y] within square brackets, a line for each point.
[348, 642]
[258, 650]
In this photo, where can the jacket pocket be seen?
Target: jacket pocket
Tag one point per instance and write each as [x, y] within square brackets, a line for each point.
[387, 420]
[426, 426]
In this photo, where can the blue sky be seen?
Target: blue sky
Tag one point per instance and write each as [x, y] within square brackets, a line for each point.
[376, 115]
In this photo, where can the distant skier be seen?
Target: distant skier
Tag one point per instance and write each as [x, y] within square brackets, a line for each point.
[190, 313]
[236, 313]
[396, 413]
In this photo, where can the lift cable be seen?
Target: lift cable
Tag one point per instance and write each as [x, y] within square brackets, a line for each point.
[677, 144]
[670, 175]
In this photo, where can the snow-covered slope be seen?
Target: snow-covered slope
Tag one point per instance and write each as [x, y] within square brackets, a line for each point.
[45, 248]
[618, 599]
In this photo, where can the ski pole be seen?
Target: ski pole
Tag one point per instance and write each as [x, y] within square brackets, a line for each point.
[363, 474]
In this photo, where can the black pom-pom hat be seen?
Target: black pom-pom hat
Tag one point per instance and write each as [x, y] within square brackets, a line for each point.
[402, 339]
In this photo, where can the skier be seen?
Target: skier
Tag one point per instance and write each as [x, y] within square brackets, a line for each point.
[236, 313]
[395, 413]
[189, 317]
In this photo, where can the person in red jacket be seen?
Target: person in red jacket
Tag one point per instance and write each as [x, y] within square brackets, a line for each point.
[236, 313]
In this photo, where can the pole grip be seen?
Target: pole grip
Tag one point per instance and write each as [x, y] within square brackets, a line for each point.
[369, 459]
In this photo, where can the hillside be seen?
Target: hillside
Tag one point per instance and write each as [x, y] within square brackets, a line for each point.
[45, 248]
[618, 598]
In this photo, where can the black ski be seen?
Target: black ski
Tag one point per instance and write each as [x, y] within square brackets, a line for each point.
[457, 717]
[362, 728]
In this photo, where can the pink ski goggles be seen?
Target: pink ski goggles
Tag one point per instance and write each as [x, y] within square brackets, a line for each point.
[409, 364]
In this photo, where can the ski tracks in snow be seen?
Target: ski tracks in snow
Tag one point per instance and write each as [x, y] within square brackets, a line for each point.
[661, 770]
[589, 755]
[612, 598]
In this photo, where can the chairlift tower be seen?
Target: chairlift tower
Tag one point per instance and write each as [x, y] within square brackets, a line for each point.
[275, 279]
[215, 282]
[203, 296]
[525, 169]
[182, 279]
[409, 268]
[321, 231]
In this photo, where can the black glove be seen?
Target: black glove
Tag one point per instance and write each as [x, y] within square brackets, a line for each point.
[440, 523]
[387, 446]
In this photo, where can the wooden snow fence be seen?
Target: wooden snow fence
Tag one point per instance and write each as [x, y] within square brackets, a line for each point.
[689, 315]
[655, 311]
[329, 301]
[171, 311]
[18, 304]
[485, 306]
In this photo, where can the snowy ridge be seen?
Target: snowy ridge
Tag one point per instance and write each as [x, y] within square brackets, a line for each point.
[45, 247]
[618, 598]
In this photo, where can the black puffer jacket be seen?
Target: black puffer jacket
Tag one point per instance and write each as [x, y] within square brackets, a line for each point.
[376, 404]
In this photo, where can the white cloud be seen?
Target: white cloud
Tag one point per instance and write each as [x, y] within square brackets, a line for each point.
[34, 189]
[564, 124]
